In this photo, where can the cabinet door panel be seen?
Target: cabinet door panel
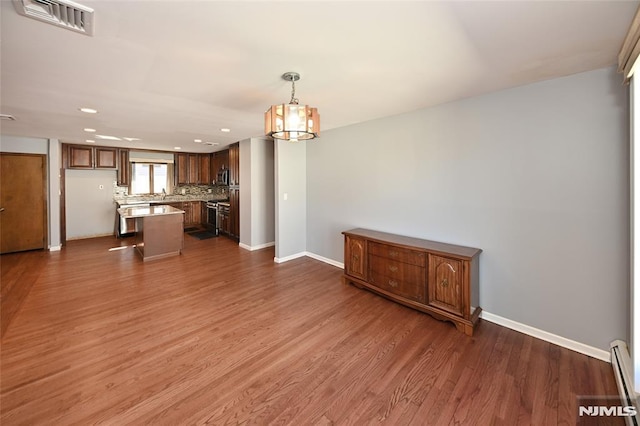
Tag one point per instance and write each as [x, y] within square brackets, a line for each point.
[194, 168]
[445, 283]
[205, 170]
[182, 166]
[80, 157]
[106, 158]
[234, 212]
[355, 257]
[124, 168]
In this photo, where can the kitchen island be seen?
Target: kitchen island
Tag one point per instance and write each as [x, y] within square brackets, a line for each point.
[158, 230]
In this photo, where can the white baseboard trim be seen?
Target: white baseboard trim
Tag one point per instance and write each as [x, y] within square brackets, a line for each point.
[548, 337]
[288, 258]
[311, 255]
[55, 248]
[258, 247]
[325, 260]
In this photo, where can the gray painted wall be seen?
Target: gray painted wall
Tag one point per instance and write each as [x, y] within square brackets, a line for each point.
[262, 193]
[245, 192]
[257, 211]
[537, 176]
[291, 214]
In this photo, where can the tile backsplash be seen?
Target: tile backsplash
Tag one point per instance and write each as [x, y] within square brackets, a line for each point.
[200, 189]
[193, 190]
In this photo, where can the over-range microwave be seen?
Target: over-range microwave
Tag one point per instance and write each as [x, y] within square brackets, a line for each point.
[223, 177]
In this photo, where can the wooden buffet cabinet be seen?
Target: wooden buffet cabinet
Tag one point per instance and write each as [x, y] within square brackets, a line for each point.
[436, 278]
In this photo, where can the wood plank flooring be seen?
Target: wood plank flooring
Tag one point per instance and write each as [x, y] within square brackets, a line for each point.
[221, 335]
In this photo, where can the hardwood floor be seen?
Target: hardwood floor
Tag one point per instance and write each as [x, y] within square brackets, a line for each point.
[221, 335]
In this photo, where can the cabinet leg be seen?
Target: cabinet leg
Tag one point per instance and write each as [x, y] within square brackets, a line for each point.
[464, 328]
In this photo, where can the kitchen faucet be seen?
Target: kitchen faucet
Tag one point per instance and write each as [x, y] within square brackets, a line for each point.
[164, 194]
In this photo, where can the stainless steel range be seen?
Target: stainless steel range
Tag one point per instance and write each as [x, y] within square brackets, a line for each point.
[212, 216]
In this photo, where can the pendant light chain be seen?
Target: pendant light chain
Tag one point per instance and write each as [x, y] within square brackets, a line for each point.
[293, 100]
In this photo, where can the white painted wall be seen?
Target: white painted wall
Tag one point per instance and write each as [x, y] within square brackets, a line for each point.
[634, 178]
[537, 176]
[55, 167]
[291, 214]
[90, 210]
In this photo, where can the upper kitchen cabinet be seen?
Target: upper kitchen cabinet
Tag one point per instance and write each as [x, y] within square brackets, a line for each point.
[106, 158]
[186, 169]
[80, 157]
[124, 169]
[181, 164]
[194, 168]
[204, 177]
[219, 161]
[89, 157]
[234, 164]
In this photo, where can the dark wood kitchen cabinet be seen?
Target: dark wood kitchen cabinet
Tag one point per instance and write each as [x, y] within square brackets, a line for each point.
[80, 157]
[194, 166]
[439, 279]
[124, 168]
[193, 169]
[106, 158]
[192, 212]
[90, 157]
[234, 164]
[234, 213]
[234, 191]
[204, 169]
[187, 169]
[219, 161]
[224, 224]
[181, 166]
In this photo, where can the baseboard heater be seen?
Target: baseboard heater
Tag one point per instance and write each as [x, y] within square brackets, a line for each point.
[623, 372]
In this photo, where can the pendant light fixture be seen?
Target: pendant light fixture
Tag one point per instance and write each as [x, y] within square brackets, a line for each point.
[292, 122]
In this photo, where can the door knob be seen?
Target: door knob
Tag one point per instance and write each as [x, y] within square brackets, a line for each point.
[1, 209]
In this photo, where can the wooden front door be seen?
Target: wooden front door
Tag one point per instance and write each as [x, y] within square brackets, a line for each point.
[23, 207]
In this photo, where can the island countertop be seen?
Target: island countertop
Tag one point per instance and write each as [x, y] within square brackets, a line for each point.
[146, 211]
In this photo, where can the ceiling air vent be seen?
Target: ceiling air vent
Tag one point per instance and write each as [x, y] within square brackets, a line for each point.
[62, 13]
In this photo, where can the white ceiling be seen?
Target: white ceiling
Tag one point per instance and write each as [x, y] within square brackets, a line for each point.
[169, 72]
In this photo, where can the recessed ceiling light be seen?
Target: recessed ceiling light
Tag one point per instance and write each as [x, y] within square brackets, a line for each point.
[107, 137]
[131, 139]
[212, 143]
[91, 141]
[224, 129]
[177, 147]
[89, 110]
[197, 140]
[89, 130]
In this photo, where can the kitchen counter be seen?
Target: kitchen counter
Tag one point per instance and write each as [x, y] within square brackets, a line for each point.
[145, 211]
[158, 230]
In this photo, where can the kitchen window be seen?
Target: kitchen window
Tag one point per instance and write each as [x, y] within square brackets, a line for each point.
[150, 178]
